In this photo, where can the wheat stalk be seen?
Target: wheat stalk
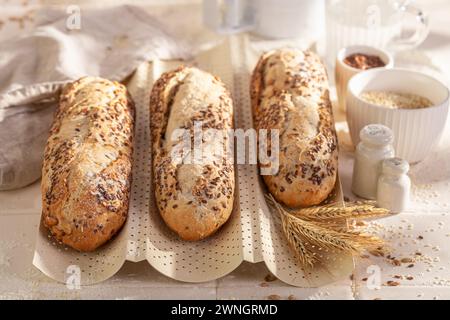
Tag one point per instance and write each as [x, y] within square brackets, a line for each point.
[355, 211]
[307, 258]
[330, 239]
[326, 228]
[339, 225]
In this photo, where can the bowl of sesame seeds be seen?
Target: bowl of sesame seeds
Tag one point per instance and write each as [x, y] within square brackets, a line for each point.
[414, 105]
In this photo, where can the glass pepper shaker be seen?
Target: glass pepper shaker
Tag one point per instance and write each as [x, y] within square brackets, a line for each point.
[374, 148]
[394, 185]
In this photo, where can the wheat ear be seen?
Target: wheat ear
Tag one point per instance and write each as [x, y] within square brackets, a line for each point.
[328, 231]
[350, 211]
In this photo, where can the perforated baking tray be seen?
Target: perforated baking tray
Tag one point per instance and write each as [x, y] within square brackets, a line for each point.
[252, 234]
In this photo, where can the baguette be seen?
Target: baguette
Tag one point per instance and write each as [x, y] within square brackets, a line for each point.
[194, 199]
[290, 92]
[86, 172]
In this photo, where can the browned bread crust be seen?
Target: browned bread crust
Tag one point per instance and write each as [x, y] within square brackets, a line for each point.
[86, 173]
[290, 92]
[194, 200]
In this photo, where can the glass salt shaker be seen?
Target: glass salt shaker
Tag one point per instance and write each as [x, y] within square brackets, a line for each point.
[374, 148]
[394, 185]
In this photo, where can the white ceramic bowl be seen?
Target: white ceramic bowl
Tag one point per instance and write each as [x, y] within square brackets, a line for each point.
[345, 72]
[416, 131]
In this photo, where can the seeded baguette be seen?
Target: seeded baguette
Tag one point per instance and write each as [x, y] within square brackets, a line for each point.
[290, 92]
[194, 200]
[86, 173]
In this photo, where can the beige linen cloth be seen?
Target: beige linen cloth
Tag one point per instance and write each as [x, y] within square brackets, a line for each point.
[110, 43]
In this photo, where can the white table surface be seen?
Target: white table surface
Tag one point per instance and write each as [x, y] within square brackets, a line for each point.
[429, 217]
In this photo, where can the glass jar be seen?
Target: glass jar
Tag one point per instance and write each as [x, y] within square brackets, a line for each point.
[394, 185]
[374, 148]
[376, 23]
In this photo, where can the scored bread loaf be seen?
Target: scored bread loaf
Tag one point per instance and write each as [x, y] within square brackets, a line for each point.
[86, 173]
[290, 93]
[194, 198]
